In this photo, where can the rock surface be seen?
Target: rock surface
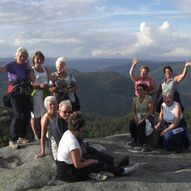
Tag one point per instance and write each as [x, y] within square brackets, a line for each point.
[158, 170]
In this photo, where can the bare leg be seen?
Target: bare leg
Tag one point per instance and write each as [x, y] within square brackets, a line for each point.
[35, 124]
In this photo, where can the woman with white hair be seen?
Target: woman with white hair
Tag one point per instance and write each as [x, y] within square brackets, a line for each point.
[48, 121]
[54, 124]
[18, 86]
[171, 125]
[65, 84]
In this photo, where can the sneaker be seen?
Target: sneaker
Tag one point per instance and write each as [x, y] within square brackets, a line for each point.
[98, 176]
[22, 140]
[108, 174]
[124, 161]
[13, 144]
[132, 143]
[146, 148]
[128, 170]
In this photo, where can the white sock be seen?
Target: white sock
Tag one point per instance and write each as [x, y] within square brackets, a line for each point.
[128, 170]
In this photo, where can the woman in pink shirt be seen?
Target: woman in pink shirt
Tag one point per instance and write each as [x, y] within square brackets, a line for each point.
[143, 78]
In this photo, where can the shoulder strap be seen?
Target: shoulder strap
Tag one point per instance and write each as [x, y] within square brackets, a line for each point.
[49, 118]
[57, 127]
[70, 76]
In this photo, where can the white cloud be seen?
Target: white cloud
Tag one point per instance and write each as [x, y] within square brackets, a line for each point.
[183, 4]
[2, 41]
[22, 41]
[144, 36]
[178, 52]
[151, 42]
[43, 11]
[165, 26]
[95, 27]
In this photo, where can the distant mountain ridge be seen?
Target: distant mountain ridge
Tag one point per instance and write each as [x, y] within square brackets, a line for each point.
[109, 91]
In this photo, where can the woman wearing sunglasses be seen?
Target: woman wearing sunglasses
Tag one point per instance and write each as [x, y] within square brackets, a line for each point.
[52, 123]
[56, 124]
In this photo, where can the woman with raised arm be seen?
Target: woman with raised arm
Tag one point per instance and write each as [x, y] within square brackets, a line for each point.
[170, 83]
[143, 78]
[18, 77]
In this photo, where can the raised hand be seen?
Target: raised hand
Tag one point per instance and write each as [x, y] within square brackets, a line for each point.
[188, 63]
[135, 61]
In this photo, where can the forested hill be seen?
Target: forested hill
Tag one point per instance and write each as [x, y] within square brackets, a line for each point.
[105, 93]
[109, 91]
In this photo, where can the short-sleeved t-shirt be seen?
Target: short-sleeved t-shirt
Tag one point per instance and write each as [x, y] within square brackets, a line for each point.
[148, 82]
[17, 72]
[67, 143]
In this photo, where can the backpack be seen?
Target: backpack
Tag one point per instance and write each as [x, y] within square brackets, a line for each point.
[7, 100]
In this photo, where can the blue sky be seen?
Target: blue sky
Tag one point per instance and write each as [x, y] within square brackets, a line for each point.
[146, 29]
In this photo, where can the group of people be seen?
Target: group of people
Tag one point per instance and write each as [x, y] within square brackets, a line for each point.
[62, 126]
[75, 160]
[29, 85]
[55, 109]
[170, 131]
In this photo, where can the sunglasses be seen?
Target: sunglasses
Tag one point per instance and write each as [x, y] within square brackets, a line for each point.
[66, 112]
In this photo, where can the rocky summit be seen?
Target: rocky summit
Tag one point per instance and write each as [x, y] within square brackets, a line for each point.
[157, 169]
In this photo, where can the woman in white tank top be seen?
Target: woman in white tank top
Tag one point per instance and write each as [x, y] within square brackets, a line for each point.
[171, 125]
[40, 78]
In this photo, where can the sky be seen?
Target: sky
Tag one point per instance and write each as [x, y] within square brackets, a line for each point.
[145, 29]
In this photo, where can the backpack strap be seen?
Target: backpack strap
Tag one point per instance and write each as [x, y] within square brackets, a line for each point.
[57, 127]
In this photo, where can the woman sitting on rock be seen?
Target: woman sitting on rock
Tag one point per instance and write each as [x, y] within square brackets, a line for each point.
[48, 121]
[57, 124]
[141, 127]
[70, 164]
[171, 125]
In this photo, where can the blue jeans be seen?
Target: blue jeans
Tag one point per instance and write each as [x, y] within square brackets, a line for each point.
[176, 137]
[21, 106]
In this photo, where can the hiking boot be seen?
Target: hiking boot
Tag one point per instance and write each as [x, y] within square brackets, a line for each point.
[13, 144]
[22, 140]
